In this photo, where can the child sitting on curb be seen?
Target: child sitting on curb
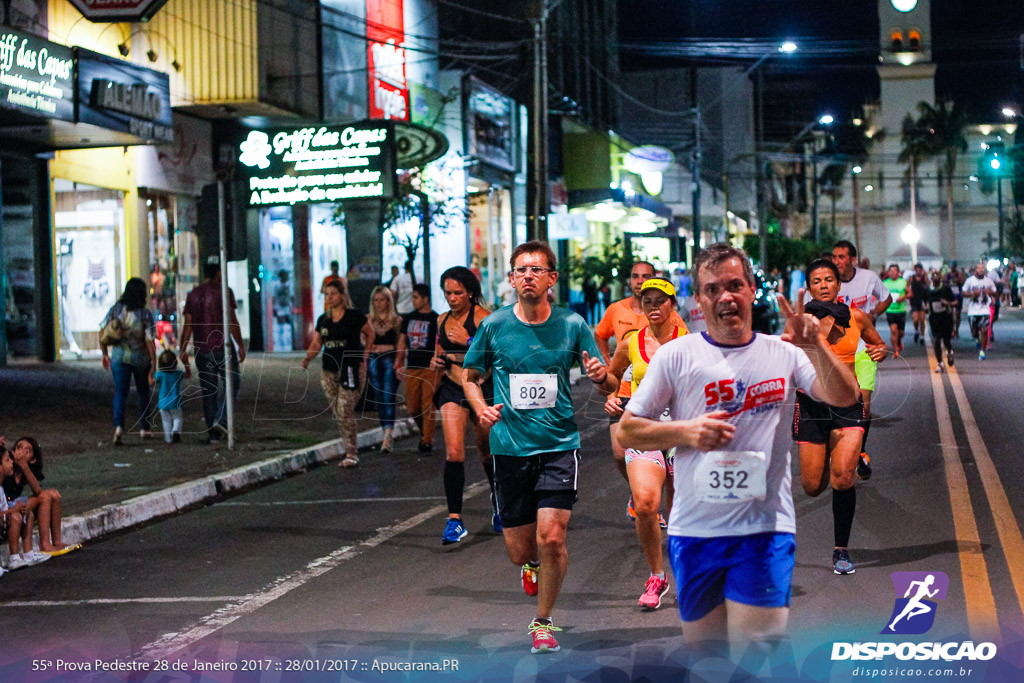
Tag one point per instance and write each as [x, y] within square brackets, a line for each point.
[46, 503]
[169, 378]
[20, 518]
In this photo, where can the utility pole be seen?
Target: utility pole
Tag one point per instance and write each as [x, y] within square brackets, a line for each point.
[762, 212]
[695, 162]
[538, 195]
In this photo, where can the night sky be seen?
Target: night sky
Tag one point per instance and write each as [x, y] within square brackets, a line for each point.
[975, 44]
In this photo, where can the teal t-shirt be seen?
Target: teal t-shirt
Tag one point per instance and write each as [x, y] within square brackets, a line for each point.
[528, 360]
[897, 288]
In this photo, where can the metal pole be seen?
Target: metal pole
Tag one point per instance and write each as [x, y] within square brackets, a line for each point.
[538, 201]
[229, 398]
[999, 192]
[695, 177]
[762, 212]
[814, 189]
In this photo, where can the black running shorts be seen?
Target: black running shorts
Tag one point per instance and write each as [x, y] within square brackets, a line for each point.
[813, 421]
[525, 483]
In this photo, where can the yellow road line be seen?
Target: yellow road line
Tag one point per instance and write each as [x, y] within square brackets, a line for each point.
[982, 621]
[1006, 523]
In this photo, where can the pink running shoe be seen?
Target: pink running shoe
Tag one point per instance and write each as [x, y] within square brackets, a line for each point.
[543, 641]
[655, 588]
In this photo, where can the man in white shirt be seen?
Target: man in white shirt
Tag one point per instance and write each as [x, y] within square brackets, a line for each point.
[862, 289]
[401, 287]
[729, 392]
[979, 290]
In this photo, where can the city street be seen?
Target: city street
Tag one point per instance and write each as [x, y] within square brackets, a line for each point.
[338, 574]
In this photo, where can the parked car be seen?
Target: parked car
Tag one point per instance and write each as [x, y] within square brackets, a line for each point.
[766, 312]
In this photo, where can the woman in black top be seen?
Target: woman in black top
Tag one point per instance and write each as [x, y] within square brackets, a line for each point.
[386, 325]
[455, 331]
[343, 334]
[941, 303]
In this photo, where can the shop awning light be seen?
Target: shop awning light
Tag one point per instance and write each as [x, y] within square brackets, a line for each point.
[605, 213]
[639, 225]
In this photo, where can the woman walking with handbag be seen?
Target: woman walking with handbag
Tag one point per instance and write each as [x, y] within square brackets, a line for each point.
[343, 333]
[126, 341]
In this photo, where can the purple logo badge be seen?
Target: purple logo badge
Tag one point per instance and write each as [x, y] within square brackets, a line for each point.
[916, 596]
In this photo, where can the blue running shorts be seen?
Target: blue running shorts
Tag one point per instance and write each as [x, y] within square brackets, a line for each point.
[752, 570]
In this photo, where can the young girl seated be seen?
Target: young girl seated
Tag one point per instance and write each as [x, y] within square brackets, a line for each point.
[169, 378]
[45, 503]
[17, 516]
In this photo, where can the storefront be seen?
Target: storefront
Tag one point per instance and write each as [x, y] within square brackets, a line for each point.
[489, 127]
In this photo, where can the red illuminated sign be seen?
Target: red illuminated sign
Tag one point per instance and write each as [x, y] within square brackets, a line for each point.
[385, 33]
[118, 10]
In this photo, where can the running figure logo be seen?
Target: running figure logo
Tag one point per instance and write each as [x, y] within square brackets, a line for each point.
[914, 612]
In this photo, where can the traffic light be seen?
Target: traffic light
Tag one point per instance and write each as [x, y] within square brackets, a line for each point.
[995, 160]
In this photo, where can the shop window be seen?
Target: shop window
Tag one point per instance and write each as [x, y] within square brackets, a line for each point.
[896, 41]
[90, 260]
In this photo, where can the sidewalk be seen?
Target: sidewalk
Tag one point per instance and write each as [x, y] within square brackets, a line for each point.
[282, 424]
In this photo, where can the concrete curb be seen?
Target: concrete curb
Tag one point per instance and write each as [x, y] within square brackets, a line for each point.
[115, 517]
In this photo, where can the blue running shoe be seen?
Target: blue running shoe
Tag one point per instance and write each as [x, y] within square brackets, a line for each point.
[496, 523]
[841, 563]
[453, 532]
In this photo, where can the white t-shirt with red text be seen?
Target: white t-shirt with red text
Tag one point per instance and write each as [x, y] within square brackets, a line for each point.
[755, 383]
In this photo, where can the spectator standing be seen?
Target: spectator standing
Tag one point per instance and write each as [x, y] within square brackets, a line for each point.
[386, 326]
[416, 346]
[343, 333]
[169, 378]
[204, 327]
[134, 356]
[333, 276]
[401, 289]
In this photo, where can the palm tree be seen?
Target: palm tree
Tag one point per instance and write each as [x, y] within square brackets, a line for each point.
[916, 148]
[849, 146]
[946, 124]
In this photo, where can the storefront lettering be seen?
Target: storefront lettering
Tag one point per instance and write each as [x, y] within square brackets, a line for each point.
[27, 58]
[135, 99]
[21, 60]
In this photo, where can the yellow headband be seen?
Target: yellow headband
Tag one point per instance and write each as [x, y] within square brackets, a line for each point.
[659, 284]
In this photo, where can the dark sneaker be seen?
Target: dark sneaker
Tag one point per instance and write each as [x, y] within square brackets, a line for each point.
[543, 640]
[917, 337]
[529, 576]
[426, 447]
[453, 532]
[949, 358]
[864, 467]
[841, 563]
[653, 591]
[176, 437]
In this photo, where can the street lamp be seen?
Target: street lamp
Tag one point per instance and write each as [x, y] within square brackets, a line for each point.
[911, 236]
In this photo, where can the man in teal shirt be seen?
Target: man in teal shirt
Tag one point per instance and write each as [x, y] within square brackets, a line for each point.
[530, 348]
[896, 314]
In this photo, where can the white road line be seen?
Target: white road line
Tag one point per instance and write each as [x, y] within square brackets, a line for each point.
[325, 501]
[121, 601]
[170, 643]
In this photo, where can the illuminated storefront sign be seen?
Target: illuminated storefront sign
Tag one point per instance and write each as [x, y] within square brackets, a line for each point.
[36, 76]
[489, 125]
[319, 164]
[385, 35]
[118, 10]
[122, 96]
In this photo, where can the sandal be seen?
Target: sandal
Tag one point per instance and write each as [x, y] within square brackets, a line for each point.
[349, 461]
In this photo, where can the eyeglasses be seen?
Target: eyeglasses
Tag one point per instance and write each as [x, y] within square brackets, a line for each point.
[536, 271]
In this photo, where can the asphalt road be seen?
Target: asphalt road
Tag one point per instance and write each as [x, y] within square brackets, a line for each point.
[336, 574]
